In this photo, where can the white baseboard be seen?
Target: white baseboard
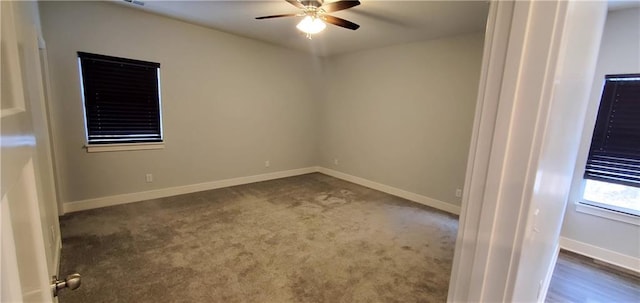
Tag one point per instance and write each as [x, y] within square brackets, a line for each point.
[179, 190]
[74, 206]
[448, 207]
[602, 254]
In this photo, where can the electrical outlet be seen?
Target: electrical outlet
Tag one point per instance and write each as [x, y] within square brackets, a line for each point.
[336, 162]
[267, 163]
[459, 193]
[149, 178]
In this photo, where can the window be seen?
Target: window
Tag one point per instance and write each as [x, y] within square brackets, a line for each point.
[121, 101]
[612, 172]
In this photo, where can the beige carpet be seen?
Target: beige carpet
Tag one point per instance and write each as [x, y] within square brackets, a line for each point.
[310, 238]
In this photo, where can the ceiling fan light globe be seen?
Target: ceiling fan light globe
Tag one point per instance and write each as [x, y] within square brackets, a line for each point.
[311, 25]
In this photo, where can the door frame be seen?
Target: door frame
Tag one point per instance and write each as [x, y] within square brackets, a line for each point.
[523, 84]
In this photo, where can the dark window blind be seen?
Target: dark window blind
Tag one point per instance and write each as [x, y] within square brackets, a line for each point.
[614, 155]
[121, 99]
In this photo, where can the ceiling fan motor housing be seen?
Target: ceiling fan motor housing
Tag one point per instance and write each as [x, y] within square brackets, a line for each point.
[313, 3]
[317, 10]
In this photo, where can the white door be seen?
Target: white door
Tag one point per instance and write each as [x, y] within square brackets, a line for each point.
[25, 268]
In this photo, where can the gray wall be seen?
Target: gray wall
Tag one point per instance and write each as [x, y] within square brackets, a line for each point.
[399, 115]
[402, 115]
[229, 103]
[619, 54]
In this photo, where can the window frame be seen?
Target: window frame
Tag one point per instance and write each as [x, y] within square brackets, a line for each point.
[611, 158]
[114, 145]
[604, 210]
[601, 208]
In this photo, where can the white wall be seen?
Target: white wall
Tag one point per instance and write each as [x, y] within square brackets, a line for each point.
[229, 103]
[402, 115]
[619, 54]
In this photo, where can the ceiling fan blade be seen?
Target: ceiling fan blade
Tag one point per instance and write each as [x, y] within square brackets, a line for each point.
[340, 22]
[340, 5]
[276, 16]
[295, 3]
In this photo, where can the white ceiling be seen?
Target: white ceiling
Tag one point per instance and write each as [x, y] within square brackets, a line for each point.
[382, 22]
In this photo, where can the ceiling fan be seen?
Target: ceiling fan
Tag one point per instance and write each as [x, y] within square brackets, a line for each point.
[315, 15]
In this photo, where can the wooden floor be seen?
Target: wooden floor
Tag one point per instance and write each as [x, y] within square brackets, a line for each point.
[579, 279]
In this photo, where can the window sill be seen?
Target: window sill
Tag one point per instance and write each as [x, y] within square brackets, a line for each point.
[583, 207]
[98, 148]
